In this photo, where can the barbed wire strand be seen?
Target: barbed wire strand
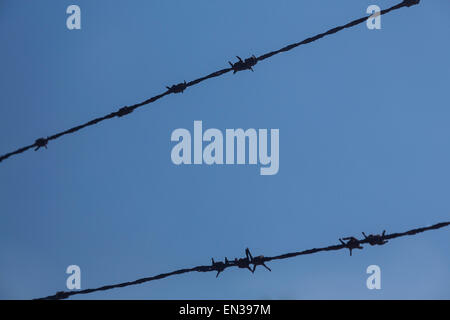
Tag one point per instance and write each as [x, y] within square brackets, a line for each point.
[249, 260]
[238, 66]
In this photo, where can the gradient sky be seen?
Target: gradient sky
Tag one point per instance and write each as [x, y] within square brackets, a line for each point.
[364, 146]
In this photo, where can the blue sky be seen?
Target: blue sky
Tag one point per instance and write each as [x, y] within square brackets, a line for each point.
[364, 146]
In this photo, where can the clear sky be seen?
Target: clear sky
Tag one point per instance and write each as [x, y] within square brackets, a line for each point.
[364, 146]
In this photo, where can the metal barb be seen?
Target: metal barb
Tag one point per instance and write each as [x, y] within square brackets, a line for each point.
[40, 143]
[376, 239]
[243, 65]
[219, 266]
[257, 261]
[352, 243]
[178, 88]
[244, 263]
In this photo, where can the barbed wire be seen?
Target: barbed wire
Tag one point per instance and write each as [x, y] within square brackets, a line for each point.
[240, 65]
[250, 262]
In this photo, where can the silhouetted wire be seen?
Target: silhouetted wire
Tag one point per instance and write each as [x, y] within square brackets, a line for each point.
[239, 66]
[245, 263]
